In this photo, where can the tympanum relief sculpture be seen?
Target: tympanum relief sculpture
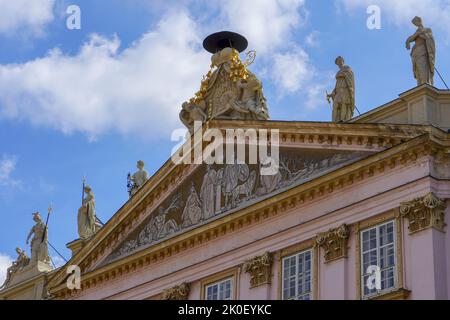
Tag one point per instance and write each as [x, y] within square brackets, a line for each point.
[215, 190]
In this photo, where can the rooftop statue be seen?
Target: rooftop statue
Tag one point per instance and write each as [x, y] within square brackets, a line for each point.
[21, 262]
[86, 214]
[138, 179]
[39, 242]
[229, 90]
[343, 94]
[423, 54]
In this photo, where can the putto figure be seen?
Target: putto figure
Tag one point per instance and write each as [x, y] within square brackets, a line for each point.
[138, 179]
[39, 243]
[343, 94]
[86, 215]
[423, 54]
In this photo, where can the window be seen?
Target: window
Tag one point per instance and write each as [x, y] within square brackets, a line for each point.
[378, 253]
[220, 290]
[297, 277]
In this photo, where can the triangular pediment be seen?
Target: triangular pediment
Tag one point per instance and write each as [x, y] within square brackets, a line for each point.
[178, 199]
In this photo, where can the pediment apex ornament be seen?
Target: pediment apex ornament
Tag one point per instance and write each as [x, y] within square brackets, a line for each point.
[179, 292]
[334, 243]
[424, 212]
[260, 269]
[229, 90]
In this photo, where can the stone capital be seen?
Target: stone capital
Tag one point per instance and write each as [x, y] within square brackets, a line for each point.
[424, 212]
[334, 243]
[179, 292]
[260, 269]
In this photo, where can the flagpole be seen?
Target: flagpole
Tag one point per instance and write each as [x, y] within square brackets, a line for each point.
[46, 222]
[82, 189]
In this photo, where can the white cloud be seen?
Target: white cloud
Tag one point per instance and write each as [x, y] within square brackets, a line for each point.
[5, 263]
[312, 39]
[19, 15]
[268, 24]
[7, 166]
[138, 90]
[291, 69]
[436, 13]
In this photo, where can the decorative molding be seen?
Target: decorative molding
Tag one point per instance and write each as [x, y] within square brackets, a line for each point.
[424, 212]
[260, 269]
[334, 242]
[398, 294]
[179, 292]
[358, 227]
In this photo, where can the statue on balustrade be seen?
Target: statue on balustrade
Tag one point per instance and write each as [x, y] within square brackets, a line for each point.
[423, 53]
[138, 179]
[86, 215]
[39, 242]
[343, 94]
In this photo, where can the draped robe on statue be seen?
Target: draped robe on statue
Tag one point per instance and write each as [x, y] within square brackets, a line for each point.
[86, 217]
[423, 56]
[344, 98]
[39, 243]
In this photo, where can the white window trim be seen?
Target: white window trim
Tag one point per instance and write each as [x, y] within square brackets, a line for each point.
[296, 273]
[361, 276]
[217, 283]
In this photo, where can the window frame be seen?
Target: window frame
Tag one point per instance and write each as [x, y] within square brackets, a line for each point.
[378, 249]
[391, 215]
[311, 276]
[303, 245]
[218, 283]
[219, 277]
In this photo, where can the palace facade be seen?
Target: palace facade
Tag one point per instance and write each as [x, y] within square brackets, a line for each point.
[357, 210]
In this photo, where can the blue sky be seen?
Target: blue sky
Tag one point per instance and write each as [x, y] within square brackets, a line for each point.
[94, 101]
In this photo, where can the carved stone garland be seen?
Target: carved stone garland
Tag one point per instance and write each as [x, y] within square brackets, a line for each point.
[334, 243]
[260, 269]
[425, 212]
[179, 292]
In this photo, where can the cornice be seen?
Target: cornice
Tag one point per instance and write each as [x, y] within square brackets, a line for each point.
[395, 105]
